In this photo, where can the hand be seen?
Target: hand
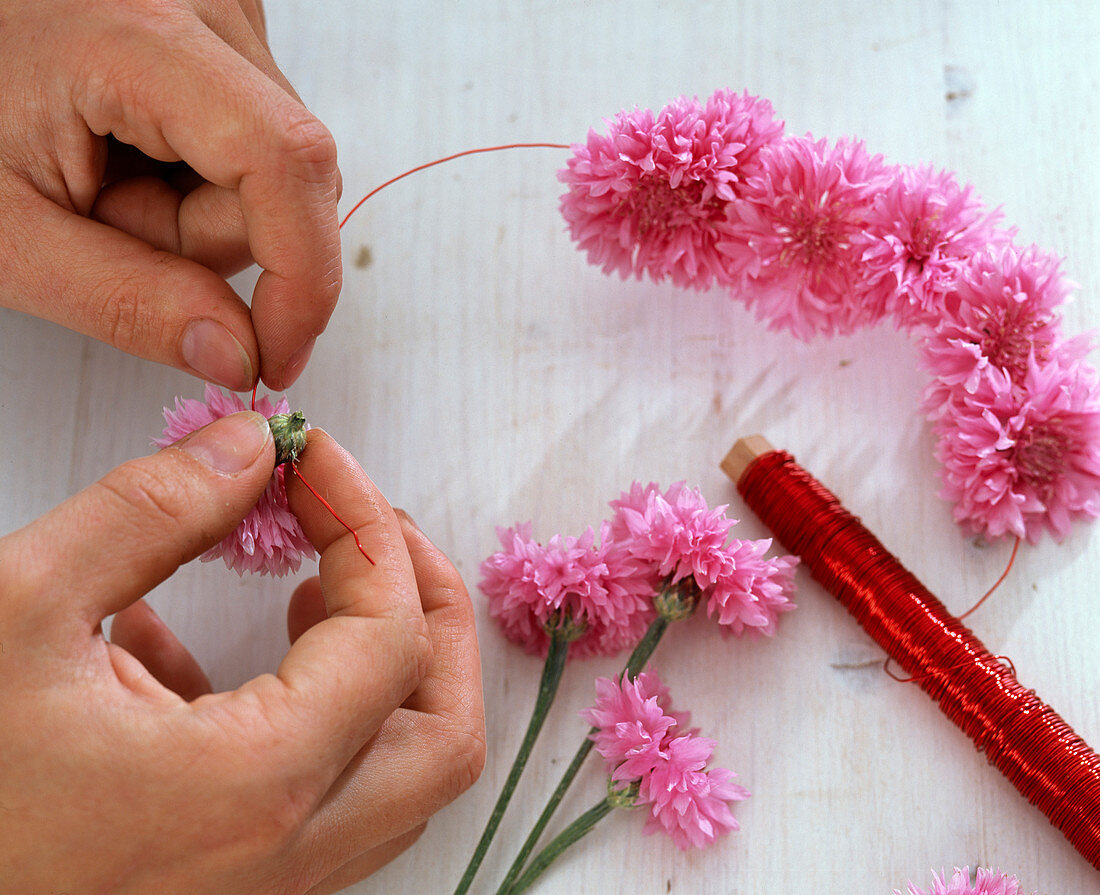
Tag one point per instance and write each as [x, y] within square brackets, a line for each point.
[120, 772]
[149, 149]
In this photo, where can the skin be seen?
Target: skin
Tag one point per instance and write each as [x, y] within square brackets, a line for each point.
[121, 772]
[150, 149]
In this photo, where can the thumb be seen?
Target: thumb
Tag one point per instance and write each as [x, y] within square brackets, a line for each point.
[107, 546]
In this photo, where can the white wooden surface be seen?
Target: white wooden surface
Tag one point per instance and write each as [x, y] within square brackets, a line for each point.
[484, 373]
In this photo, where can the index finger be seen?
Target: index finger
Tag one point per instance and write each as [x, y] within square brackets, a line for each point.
[197, 99]
[347, 674]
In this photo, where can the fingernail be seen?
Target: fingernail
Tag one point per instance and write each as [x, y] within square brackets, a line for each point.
[231, 444]
[297, 363]
[404, 514]
[213, 352]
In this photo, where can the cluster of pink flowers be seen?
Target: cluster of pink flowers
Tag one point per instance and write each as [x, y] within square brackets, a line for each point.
[988, 882]
[646, 744]
[655, 540]
[823, 238]
[269, 539]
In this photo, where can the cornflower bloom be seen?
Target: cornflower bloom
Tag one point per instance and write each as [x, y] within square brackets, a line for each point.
[684, 542]
[650, 196]
[643, 742]
[920, 232]
[988, 882]
[593, 591]
[794, 236]
[1021, 458]
[269, 539]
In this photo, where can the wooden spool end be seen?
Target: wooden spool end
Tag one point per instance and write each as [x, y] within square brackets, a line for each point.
[743, 453]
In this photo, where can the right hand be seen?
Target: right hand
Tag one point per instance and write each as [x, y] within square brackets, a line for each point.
[151, 148]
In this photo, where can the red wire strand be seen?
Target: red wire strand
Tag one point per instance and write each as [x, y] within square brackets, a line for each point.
[1022, 736]
[328, 506]
[357, 206]
[997, 583]
[448, 158]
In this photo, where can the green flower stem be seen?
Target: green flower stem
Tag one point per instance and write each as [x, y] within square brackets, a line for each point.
[634, 664]
[548, 686]
[581, 826]
[645, 647]
[544, 818]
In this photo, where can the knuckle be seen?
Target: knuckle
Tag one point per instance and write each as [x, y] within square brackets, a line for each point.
[461, 749]
[287, 812]
[420, 648]
[309, 146]
[145, 495]
[122, 319]
[277, 814]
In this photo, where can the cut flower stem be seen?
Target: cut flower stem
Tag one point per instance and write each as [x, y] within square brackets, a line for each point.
[634, 665]
[580, 827]
[548, 686]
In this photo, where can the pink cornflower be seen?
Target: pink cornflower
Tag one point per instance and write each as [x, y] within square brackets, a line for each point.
[1019, 458]
[682, 539]
[1002, 312]
[920, 231]
[988, 882]
[593, 589]
[644, 742]
[755, 591]
[686, 801]
[794, 237]
[269, 540]
[649, 197]
[674, 531]
[633, 719]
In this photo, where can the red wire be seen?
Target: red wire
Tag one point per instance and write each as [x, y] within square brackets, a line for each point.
[1022, 736]
[997, 583]
[440, 161]
[301, 478]
[358, 205]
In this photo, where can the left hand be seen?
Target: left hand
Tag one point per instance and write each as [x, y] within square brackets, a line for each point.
[121, 772]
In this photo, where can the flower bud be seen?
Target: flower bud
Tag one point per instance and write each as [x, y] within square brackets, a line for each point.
[289, 432]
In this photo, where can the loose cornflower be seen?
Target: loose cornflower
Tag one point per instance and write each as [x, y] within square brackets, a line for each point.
[755, 591]
[684, 541]
[793, 240]
[688, 802]
[674, 531]
[270, 539]
[642, 741]
[632, 720]
[988, 882]
[920, 232]
[649, 198]
[595, 590]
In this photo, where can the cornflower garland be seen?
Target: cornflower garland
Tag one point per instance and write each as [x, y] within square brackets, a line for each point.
[824, 239]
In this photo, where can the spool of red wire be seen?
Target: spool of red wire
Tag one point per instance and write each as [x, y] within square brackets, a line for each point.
[1022, 736]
